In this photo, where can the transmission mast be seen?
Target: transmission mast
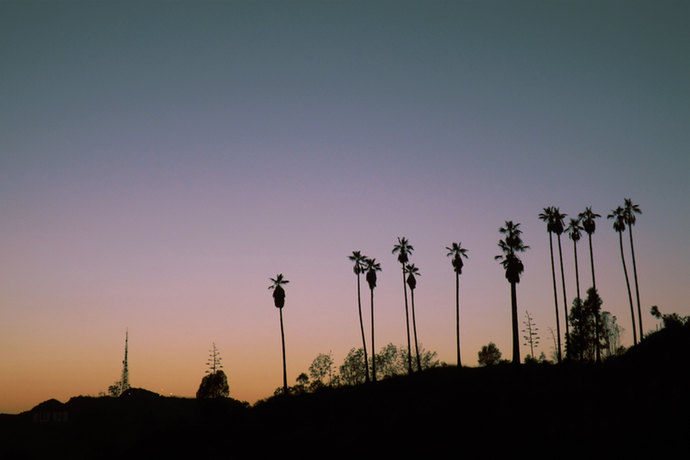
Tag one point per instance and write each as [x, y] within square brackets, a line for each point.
[124, 381]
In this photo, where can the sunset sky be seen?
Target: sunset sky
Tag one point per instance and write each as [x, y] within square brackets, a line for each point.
[160, 161]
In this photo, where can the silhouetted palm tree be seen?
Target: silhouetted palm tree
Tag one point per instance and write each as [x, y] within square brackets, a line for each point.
[547, 216]
[630, 219]
[279, 301]
[558, 229]
[618, 215]
[372, 267]
[413, 271]
[404, 249]
[457, 252]
[358, 259]
[513, 266]
[590, 227]
[575, 233]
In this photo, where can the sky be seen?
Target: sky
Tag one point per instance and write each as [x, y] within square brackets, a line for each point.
[160, 161]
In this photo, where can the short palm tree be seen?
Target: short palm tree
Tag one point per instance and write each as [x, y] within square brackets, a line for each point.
[359, 259]
[510, 246]
[279, 301]
[404, 249]
[575, 233]
[457, 252]
[587, 218]
[618, 216]
[412, 272]
[630, 219]
[372, 267]
[547, 216]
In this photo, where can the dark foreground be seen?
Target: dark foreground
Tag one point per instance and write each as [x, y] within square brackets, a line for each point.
[636, 404]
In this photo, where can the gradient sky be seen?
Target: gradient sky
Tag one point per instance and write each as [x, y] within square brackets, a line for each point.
[160, 161]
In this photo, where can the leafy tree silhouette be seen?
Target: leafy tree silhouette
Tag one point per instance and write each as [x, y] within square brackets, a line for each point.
[630, 219]
[618, 216]
[358, 268]
[489, 355]
[404, 249]
[279, 301]
[215, 383]
[582, 318]
[513, 266]
[587, 218]
[547, 216]
[372, 267]
[457, 252]
[412, 272]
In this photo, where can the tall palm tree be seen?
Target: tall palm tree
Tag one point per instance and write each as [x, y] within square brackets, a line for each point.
[618, 216]
[510, 246]
[457, 252]
[279, 301]
[558, 229]
[630, 219]
[404, 249]
[547, 216]
[359, 259]
[575, 233]
[372, 267]
[587, 217]
[412, 272]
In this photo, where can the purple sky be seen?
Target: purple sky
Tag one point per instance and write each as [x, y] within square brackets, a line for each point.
[159, 161]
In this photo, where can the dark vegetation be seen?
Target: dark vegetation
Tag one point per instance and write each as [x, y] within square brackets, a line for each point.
[634, 403]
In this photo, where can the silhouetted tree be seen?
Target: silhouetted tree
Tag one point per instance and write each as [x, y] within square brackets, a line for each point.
[611, 333]
[279, 301]
[213, 385]
[404, 249]
[321, 368]
[558, 229]
[457, 252]
[630, 219]
[587, 218]
[489, 355]
[413, 271]
[575, 233]
[618, 216]
[530, 331]
[511, 245]
[352, 371]
[548, 217]
[583, 337]
[359, 259]
[372, 267]
[670, 320]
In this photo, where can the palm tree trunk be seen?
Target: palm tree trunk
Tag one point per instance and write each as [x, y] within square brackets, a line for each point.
[577, 272]
[407, 321]
[637, 290]
[627, 281]
[414, 328]
[282, 337]
[516, 337]
[565, 300]
[457, 314]
[555, 299]
[361, 325]
[594, 285]
[373, 348]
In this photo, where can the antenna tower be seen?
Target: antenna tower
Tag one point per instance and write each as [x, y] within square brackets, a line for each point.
[124, 381]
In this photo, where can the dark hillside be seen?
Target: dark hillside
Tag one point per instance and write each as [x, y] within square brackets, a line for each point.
[636, 404]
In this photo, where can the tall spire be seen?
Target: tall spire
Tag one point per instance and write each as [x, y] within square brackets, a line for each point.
[124, 381]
